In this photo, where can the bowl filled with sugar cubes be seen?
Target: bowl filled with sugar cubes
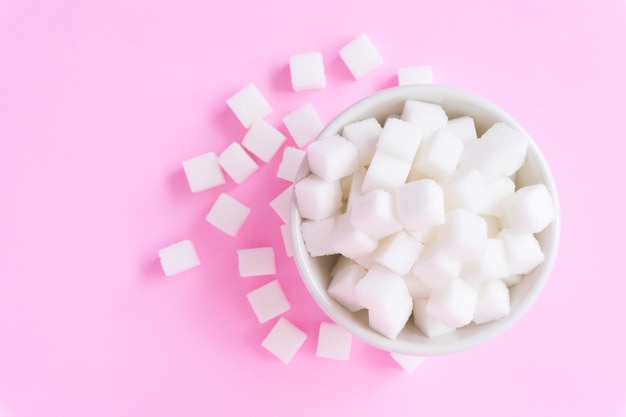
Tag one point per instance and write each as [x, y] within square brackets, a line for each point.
[425, 220]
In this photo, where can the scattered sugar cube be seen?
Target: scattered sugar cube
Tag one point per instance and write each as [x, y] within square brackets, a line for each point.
[350, 241]
[228, 214]
[317, 236]
[428, 116]
[334, 342]
[417, 288]
[332, 158]
[420, 204]
[385, 172]
[522, 250]
[426, 323]
[303, 124]
[364, 134]
[263, 140]
[492, 264]
[249, 105]
[203, 172]
[268, 301]
[400, 139]
[237, 163]
[290, 163]
[422, 74]
[529, 209]
[462, 127]
[178, 257]
[307, 71]
[285, 231]
[463, 236]
[343, 285]
[492, 302]
[398, 252]
[256, 261]
[408, 362]
[317, 198]
[465, 189]
[439, 154]
[453, 303]
[375, 214]
[360, 56]
[281, 204]
[284, 340]
[434, 268]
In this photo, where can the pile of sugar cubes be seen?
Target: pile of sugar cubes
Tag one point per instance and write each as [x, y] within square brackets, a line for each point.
[426, 218]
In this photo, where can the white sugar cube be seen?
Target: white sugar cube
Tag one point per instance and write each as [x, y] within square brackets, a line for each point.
[492, 302]
[237, 163]
[343, 285]
[303, 124]
[465, 189]
[281, 204]
[420, 204]
[228, 214]
[422, 74]
[203, 172]
[249, 105]
[426, 323]
[263, 140]
[492, 264]
[307, 71]
[364, 134]
[462, 127]
[385, 172]
[285, 231]
[463, 236]
[522, 250]
[398, 252]
[290, 163]
[428, 116]
[360, 56]
[332, 158]
[317, 236]
[453, 303]
[498, 190]
[268, 301]
[434, 268]
[284, 340]
[256, 261]
[439, 154]
[350, 241]
[417, 288]
[387, 300]
[400, 139]
[375, 214]
[178, 257]
[317, 198]
[334, 342]
[408, 362]
[529, 209]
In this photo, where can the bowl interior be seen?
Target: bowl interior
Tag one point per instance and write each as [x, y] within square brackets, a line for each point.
[316, 271]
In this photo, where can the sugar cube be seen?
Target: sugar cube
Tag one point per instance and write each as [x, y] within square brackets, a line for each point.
[303, 124]
[497, 191]
[400, 139]
[529, 209]
[408, 362]
[332, 158]
[281, 204]
[465, 189]
[203, 172]
[360, 56]
[522, 250]
[462, 127]
[492, 264]
[178, 257]
[428, 116]
[228, 214]
[364, 134]
[284, 340]
[426, 323]
[237, 163]
[417, 288]
[439, 154]
[343, 285]
[422, 74]
[249, 105]
[385, 172]
[290, 163]
[334, 342]
[350, 241]
[420, 204]
[256, 261]
[268, 301]
[463, 236]
[434, 268]
[398, 252]
[317, 236]
[453, 303]
[375, 214]
[492, 302]
[307, 71]
[317, 198]
[263, 140]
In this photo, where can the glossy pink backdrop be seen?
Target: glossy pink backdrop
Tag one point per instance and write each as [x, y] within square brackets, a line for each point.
[101, 101]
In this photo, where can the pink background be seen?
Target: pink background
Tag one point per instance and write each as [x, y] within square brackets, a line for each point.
[101, 101]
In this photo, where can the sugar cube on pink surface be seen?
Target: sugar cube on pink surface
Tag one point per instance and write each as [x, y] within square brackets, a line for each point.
[529, 209]
[398, 252]
[385, 172]
[463, 236]
[317, 198]
[307, 71]
[453, 303]
[178, 257]
[334, 342]
[420, 204]
[203, 172]
[284, 340]
[428, 116]
[249, 105]
[268, 301]
[375, 214]
[237, 163]
[303, 124]
[400, 139]
[317, 236]
[360, 56]
[290, 163]
[426, 323]
[263, 140]
[256, 261]
[281, 204]
[408, 362]
[227, 214]
[285, 231]
[332, 158]
[364, 134]
[421, 74]
[493, 301]
[342, 287]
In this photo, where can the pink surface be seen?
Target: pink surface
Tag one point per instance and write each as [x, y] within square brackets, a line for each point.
[100, 102]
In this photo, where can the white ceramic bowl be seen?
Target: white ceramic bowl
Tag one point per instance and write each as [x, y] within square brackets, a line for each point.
[315, 271]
